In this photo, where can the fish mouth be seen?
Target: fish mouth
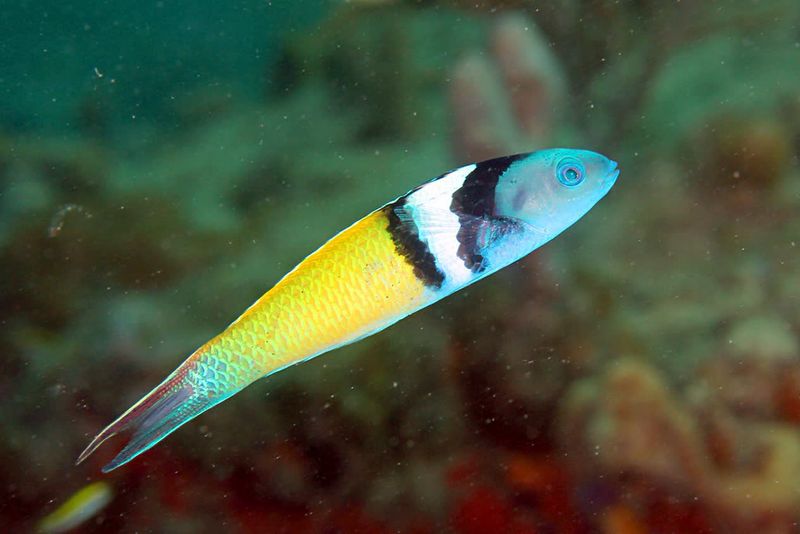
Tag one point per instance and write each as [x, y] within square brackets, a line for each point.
[613, 173]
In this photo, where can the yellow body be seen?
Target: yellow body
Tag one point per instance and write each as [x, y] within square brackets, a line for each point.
[354, 285]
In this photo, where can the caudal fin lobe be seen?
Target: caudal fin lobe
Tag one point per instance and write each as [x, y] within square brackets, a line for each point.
[172, 403]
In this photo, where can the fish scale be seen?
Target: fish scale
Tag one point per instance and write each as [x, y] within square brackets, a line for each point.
[327, 300]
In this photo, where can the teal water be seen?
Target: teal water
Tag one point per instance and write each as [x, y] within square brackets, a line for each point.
[56, 56]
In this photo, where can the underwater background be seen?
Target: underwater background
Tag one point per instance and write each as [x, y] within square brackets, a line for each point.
[163, 163]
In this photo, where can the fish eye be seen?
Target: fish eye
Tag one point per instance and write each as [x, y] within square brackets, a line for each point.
[570, 172]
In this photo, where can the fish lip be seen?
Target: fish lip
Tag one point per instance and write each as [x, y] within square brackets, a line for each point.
[613, 173]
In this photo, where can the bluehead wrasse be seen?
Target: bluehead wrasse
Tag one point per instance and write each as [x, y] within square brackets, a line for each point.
[81, 506]
[436, 239]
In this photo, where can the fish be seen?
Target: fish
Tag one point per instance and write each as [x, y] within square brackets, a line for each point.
[436, 239]
[81, 506]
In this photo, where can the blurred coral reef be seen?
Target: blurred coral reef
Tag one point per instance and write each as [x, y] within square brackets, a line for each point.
[639, 374]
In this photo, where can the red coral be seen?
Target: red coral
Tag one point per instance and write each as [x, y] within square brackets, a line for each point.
[485, 510]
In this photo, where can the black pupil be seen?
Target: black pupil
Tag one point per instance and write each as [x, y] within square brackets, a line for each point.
[571, 174]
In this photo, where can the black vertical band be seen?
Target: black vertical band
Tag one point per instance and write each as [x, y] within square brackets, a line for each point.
[405, 235]
[474, 203]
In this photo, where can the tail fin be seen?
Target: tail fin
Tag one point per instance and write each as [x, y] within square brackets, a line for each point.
[172, 403]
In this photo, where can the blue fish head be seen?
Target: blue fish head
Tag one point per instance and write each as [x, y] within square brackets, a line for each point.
[550, 189]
